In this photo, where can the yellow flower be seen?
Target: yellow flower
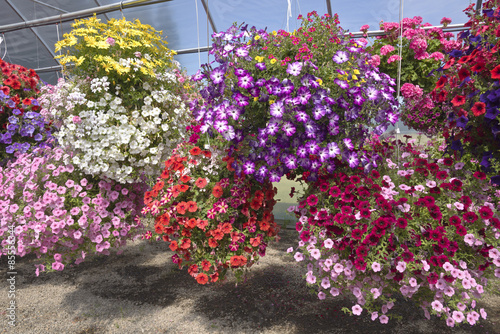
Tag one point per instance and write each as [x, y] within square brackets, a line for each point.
[259, 58]
[79, 61]
[274, 32]
[271, 101]
[257, 37]
[255, 99]
[356, 72]
[273, 61]
[319, 81]
[354, 77]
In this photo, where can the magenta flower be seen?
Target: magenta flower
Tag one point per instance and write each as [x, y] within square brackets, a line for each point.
[294, 68]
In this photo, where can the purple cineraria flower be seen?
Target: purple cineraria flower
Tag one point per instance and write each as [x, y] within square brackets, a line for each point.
[248, 167]
[312, 147]
[217, 75]
[261, 66]
[220, 125]
[245, 81]
[353, 160]
[371, 93]
[333, 150]
[277, 109]
[288, 128]
[197, 76]
[240, 99]
[303, 95]
[294, 69]
[242, 51]
[392, 117]
[341, 83]
[239, 72]
[301, 116]
[348, 143]
[340, 57]
[302, 152]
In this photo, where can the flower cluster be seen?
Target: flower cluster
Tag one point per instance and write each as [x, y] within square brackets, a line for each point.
[293, 107]
[418, 226]
[23, 128]
[120, 135]
[422, 50]
[467, 91]
[60, 214]
[214, 219]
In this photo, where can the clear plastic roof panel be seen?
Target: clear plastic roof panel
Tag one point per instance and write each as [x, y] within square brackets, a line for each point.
[185, 23]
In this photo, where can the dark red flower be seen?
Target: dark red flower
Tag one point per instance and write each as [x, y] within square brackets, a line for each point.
[401, 223]
[357, 234]
[495, 73]
[480, 175]
[470, 217]
[455, 220]
[442, 175]
[441, 82]
[478, 109]
[478, 67]
[375, 174]
[463, 74]
[355, 179]
[458, 100]
[485, 212]
[334, 191]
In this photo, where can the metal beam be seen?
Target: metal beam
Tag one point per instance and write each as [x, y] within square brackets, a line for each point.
[479, 5]
[78, 14]
[50, 6]
[99, 4]
[329, 7]
[209, 15]
[49, 49]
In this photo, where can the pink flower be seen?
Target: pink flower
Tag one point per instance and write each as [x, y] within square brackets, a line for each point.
[437, 55]
[110, 41]
[356, 309]
[364, 27]
[338, 268]
[328, 243]
[58, 257]
[436, 305]
[376, 267]
[374, 60]
[401, 267]
[391, 59]
[483, 313]
[334, 292]
[311, 279]
[374, 316]
[384, 319]
[450, 322]
[325, 283]
[315, 253]
[77, 119]
[57, 266]
[376, 293]
[386, 49]
[13, 208]
[321, 295]
[445, 21]
[458, 316]
[299, 257]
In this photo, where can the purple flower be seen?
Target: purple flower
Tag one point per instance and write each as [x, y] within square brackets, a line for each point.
[277, 109]
[262, 172]
[272, 128]
[245, 81]
[294, 69]
[319, 111]
[340, 57]
[288, 128]
[291, 162]
[217, 75]
[248, 167]
[240, 99]
[221, 125]
[392, 117]
[352, 160]
[312, 147]
[358, 100]
[348, 144]
[323, 154]
[240, 72]
[341, 83]
[197, 76]
[261, 66]
[371, 93]
[301, 116]
[302, 152]
[274, 176]
[242, 51]
[333, 149]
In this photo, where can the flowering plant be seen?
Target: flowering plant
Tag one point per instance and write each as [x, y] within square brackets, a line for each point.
[116, 134]
[426, 228]
[60, 214]
[467, 91]
[214, 219]
[23, 127]
[293, 107]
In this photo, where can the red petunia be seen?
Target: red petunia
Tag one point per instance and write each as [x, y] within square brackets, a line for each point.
[480, 175]
[207, 154]
[478, 67]
[195, 150]
[458, 100]
[173, 246]
[463, 73]
[495, 73]
[255, 241]
[185, 243]
[192, 206]
[478, 109]
[214, 277]
[202, 224]
[212, 243]
[449, 63]
[181, 208]
[217, 191]
[185, 178]
[202, 278]
[183, 188]
[201, 182]
[205, 265]
[464, 59]
[441, 82]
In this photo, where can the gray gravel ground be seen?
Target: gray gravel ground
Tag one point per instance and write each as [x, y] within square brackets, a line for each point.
[141, 291]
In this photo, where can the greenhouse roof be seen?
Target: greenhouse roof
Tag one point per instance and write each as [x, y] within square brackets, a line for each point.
[188, 24]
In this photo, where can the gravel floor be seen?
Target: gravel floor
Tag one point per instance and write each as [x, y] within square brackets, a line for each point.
[141, 291]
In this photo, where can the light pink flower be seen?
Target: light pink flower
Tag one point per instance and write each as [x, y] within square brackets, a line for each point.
[458, 316]
[376, 267]
[386, 49]
[436, 305]
[374, 316]
[401, 267]
[334, 292]
[384, 319]
[356, 309]
[321, 295]
[299, 257]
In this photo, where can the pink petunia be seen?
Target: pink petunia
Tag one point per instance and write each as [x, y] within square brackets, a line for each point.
[356, 309]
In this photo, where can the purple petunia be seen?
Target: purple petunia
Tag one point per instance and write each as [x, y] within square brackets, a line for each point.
[333, 149]
[352, 159]
[294, 68]
[371, 93]
[217, 75]
[277, 109]
[340, 57]
[242, 51]
[248, 167]
[261, 66]
[348, 143]
[288, 128]
[245, 81]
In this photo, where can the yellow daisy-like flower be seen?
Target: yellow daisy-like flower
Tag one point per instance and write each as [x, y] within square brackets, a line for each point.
[355, 72]
[319, 81]
[273, 61]
[257, 37]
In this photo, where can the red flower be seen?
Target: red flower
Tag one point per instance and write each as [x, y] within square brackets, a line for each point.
[207, 154]
[334, 191]
[193, 269]
[202, 224]
[461, 230]
[470, 217]
[442, 175]
[449, 63]
[264, 225]
[202, 278]
[212, 243]
[217, 234]
[480, 175]
[195, 150]
[401, 223]
[463, 73]
[183, 188]
[495, 73]
[478, 109]
[357, 234]
[27, 101]
[205, 265]
[458, 100]
[478, 67]
[217, 191]
[201, 182]
[192, 206]
[448, 161]
[214, 277]
[255, 241]
[173, 246]
[185, 243]
[455, 220]
[185, 178]
[441, 82]
[442, 96]
[485, 212]
[181, 208]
